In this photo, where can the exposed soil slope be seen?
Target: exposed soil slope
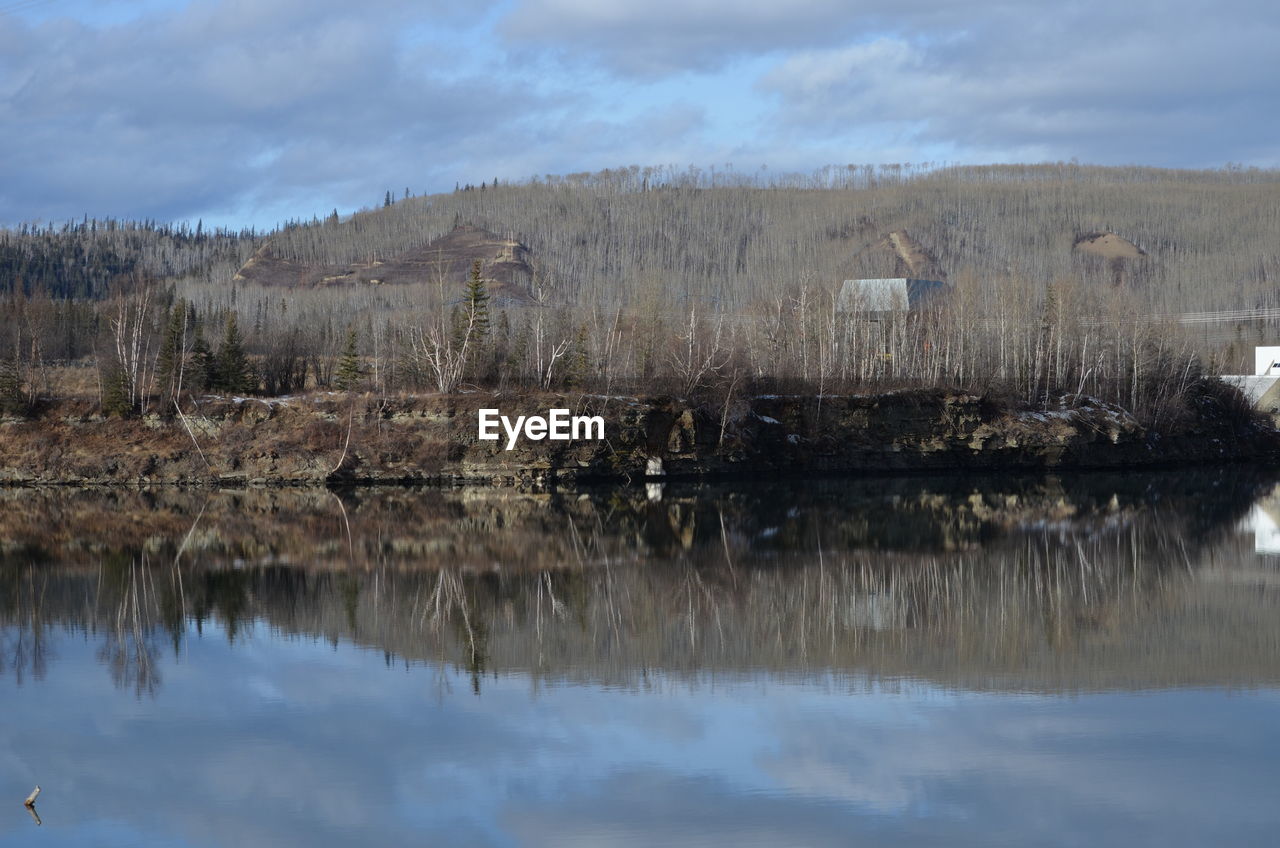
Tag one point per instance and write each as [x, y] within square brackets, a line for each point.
[1108, 246]
[901, 255]
[1122, 256]
[504, 262]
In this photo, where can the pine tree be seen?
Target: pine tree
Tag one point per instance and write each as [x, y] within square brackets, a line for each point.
[115, 393]
[472, 328]
[171, 364]
[475, 305]
[231, 368]
[200, 365]
[349, 370]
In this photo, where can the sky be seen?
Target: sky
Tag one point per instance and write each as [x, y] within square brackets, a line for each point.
[251, 112]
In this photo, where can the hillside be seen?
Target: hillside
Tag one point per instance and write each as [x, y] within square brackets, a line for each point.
[618, 237]
[447, 260]
[909, 258]
[1182, 240]
[1064, 281]
[92, 259]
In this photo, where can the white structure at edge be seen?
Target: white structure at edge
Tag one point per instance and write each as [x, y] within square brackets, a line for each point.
[1266, 361]
[1266, 530]
[1262, 388]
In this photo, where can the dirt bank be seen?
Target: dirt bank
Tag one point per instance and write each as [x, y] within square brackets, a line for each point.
[337, 438]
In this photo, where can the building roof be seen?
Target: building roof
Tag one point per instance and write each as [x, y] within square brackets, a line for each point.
[887, 294]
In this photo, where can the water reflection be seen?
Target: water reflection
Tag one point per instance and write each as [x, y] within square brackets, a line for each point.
[1090, 660]
[1082, 583]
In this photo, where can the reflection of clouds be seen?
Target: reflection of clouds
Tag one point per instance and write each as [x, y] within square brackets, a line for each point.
[809, 777]
[1114, 766]
[290, 742]
[650, 807]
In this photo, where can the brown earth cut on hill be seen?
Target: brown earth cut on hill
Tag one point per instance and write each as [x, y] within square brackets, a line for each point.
[504, 262]
[1108, 246]
[1120, 254]
[901, 255]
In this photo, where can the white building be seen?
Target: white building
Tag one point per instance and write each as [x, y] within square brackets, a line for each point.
[1266, 361]
[1266, 531]
[887, 295]
[1262, 387]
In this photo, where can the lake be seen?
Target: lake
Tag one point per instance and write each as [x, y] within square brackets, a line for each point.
[1081, 660]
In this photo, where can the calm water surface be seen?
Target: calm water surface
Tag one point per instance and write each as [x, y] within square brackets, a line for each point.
[1079, 661]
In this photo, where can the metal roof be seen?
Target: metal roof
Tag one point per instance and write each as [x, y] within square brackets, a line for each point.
[887, 294]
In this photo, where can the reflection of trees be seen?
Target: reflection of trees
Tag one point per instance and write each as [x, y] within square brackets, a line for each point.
[129, 603]
[449, 603]
[223, 594]
[477, 528]
[1035, 584]
[24, 638]
[130, 644]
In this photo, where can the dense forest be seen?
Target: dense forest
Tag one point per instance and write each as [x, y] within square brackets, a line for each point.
[1062, 280]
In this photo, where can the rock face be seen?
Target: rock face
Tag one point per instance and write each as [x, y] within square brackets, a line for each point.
[434, 439]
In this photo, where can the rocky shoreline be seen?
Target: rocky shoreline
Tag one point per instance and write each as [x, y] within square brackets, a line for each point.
[340, 439]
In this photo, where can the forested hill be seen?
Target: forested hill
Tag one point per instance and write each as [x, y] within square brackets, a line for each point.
[1183, 240]
[1063, 281]
[91, 258]
[1202, 239]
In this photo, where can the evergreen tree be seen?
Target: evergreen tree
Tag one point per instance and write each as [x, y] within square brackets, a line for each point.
[171, 364]
[115, 393]
[200, 365]
[349, 370]
[475, 305]
[232, 370]
[471, 322]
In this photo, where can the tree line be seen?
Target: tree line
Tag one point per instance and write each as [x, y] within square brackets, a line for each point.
[656, 280]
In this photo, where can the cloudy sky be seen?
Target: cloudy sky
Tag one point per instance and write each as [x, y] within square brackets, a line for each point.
[253, 111]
